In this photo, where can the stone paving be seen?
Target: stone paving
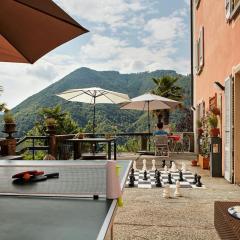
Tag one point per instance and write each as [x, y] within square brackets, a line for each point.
[147, 215]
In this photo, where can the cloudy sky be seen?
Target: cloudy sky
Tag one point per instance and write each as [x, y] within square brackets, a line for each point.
[125, 35]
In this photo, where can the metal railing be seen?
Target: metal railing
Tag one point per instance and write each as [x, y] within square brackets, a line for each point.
[32, 144]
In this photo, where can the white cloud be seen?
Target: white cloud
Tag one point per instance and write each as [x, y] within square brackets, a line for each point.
[111, 12]
[164, 29]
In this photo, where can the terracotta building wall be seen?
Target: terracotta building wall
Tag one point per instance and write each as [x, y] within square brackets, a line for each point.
[221, 49]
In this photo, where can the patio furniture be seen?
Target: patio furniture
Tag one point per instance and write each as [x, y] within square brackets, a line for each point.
[77, 146]
[161, 146]
[227, 226]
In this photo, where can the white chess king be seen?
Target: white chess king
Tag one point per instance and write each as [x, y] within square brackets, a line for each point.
[153, 165]
[144, 168]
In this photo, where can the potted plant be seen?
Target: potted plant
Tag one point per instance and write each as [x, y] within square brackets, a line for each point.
[204, 152]
[10, 125]
[213, 123]
[200, 130]
[51, 124]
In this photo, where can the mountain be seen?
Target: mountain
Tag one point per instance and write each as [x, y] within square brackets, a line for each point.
[133, 84]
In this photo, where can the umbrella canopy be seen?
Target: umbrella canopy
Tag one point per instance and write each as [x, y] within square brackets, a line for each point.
[148, 102]
[94, 96]
[31, 28]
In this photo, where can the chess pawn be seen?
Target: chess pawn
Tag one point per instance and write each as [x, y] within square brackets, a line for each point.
[144, 168]
[166, 191]
[153, 165]
[184, 167]
[165, 169]
[135, 166]
[173, 168]
[177, 192]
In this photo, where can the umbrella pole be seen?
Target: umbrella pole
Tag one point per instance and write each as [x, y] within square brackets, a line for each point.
[148, 129]
[94, 113]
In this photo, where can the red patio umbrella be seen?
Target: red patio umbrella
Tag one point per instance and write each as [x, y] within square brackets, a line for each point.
[31, 28]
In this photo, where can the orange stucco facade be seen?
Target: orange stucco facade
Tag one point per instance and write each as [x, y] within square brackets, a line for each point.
[221, 51]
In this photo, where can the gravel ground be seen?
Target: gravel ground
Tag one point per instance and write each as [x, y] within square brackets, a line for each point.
[147, 215]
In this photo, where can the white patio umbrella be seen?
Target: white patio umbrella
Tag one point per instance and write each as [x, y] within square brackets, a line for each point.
[149, 102]
[93, 96]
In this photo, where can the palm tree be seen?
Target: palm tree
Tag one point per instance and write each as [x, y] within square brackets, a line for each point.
[166, 87]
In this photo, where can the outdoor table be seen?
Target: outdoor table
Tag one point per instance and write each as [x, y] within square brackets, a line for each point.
[77, 145]
[28, 216]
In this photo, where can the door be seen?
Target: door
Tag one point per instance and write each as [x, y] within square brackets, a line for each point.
[228, 158]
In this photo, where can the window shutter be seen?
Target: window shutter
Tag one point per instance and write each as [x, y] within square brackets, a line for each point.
[201, 48]
[196, 57]
[228, 9]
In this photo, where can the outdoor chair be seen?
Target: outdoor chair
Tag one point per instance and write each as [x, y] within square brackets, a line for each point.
[161, 146]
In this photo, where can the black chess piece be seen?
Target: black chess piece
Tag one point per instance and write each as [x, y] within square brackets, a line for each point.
[170, 164]
[170, 179]
[131, 181]
[132, 174]
[199, 184]
[181, 176]
[158, 174]
[163, 163]
[158, 182]
[155, 175]
[145, 176]
[195, 178]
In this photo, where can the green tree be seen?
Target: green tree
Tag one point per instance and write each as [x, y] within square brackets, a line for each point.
[64, 122]
[166, 87]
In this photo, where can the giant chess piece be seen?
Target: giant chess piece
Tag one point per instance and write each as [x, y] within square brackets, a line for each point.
[157, 175]
[145, 178]
[158, 181]
[184, 169]
[135, 166]
[177, 191]
[132, 173]
[166, 191]
[165, 169]
[173, 168]
[170, 163]
[199, 184]
[153, 165]
[195, 178]
[144, 168]
[131, 181]
[163, 163]
[180, 176]
[169, 179]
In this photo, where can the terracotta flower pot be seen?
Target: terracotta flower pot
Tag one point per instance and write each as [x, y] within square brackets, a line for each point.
[214, 132]
[216, 111]
[9, 127]
[194, 162]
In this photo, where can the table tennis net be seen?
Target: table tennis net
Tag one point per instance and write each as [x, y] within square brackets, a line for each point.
[73, 181]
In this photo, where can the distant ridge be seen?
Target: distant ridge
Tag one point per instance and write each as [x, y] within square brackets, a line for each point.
[133, 84]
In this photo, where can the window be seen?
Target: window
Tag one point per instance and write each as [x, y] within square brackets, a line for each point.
[232, 8]
[199, 52]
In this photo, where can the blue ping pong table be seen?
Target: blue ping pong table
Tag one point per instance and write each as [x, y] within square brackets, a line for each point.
[55, 218]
